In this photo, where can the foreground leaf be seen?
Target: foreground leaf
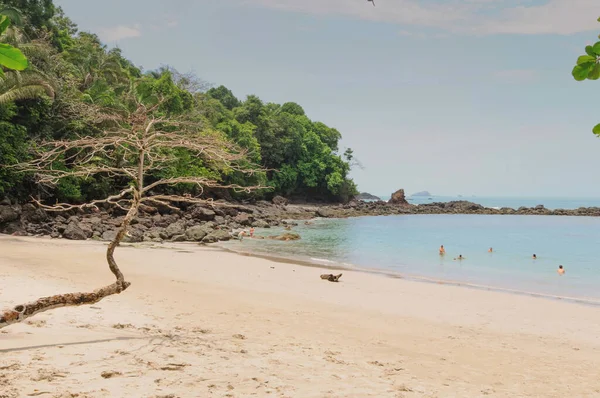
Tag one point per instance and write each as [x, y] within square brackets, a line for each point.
[596, 129]
[12, 57]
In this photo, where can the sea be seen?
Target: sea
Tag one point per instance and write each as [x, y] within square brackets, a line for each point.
[406, 246]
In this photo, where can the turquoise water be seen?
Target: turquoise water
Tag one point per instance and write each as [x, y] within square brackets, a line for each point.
[408, 245]
[515, 203]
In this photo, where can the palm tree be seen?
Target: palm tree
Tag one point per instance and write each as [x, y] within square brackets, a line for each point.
[15, 86]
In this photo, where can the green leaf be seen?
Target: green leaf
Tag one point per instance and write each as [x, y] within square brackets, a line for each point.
[596, 129]
[581, 72]
[1, 73]
[590, 51]
[595, 73]
[585, 59]
[12, 58]
[4, 23]
[596, 47]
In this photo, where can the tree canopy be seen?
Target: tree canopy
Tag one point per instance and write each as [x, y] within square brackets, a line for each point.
[47, 91]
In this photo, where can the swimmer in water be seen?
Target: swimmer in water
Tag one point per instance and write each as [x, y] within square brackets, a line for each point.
[490, 250]
[534, 257]
[560, 270]
[442, 250]
[460, 257]
[252, 232]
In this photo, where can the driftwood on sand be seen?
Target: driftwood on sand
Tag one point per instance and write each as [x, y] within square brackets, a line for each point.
[331, 277]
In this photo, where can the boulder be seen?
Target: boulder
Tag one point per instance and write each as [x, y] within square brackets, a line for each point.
[325, 213]
[203, 214]
[9, 213]
[176, 228]
[398, 198]
[243, 219]
[261, 224]
[279, 201]
[197, 233]
[217, 235]
[109, 235]
[153, 235]
[74, 232]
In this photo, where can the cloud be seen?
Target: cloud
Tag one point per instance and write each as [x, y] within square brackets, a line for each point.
[120, 32]
[459, 16]
[516, 75]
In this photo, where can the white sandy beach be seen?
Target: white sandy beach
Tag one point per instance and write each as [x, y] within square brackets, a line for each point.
[201, 322]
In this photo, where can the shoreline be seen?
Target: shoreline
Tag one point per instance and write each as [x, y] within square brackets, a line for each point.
[409, 277]
[200, 320]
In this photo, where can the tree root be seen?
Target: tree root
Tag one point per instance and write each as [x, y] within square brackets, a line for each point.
[21, 312]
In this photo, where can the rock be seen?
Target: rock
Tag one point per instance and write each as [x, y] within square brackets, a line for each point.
[366, 196]
[178, 238]
[5, 202]
[109, 235]
[220, 220]
[74, 232]
[243, 219]
[325, 213]
[153, 235]
[261, 224]
[279, 201]
[286, 236]
[398, 198]
[9, 213]
[203, 214]
[177, 228]
[197, 233]
[217, 235]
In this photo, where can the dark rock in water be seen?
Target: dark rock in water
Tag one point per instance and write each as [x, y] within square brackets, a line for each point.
[74, 232]
[398, 198]
[286, 236]
[280, 201]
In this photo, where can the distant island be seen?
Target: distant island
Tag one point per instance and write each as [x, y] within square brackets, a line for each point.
[422, 193]
[366, 196]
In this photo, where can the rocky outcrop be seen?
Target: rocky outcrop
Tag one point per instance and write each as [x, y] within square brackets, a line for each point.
[398, 198]
[215, 223]
[366, 196]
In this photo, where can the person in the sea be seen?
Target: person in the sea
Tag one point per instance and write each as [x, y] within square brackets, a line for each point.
[534, 257]
[490, 250]
[252, 232]
[560, 270]
[442, 250]
[241, 235]
[460, 257]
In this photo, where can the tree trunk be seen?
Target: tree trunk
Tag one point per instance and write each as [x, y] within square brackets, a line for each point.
[23, 311]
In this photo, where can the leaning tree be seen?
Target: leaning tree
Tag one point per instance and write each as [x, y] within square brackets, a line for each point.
[138, 143]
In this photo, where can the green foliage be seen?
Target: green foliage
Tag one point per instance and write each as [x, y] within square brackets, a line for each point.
[588, 67]
[72, 72]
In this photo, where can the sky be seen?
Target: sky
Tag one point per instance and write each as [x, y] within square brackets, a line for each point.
[471, 97]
